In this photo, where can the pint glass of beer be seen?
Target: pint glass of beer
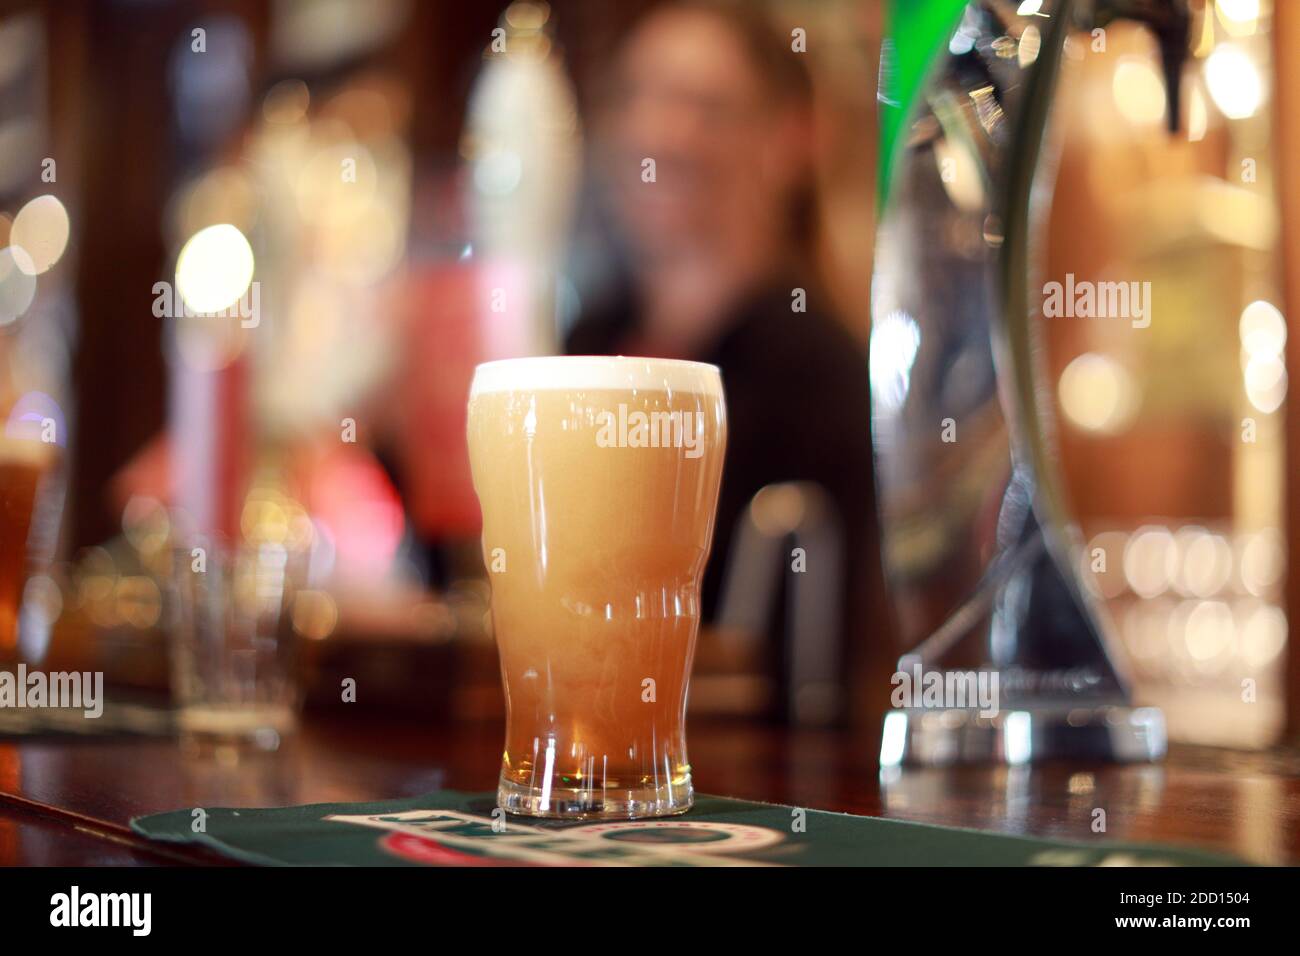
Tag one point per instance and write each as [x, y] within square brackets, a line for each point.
[598, 479]
[22, 465]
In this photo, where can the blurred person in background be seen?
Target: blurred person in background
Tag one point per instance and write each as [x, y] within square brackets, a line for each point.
[715, 250]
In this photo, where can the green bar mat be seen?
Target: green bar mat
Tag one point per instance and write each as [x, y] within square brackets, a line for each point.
[449, 828]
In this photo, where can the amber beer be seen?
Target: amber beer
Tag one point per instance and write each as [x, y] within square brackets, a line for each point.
[598, 480]
[22, 463]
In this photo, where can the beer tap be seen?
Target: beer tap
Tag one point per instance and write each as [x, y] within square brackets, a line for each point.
[980, 556]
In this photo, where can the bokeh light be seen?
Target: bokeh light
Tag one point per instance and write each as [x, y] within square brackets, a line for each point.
[214, 268]
[1208, 632]
[1205, 562]
[1238, 17]
[1261, 558]
[1150, 561]
[1262, 329]
[1263, 634]
[41, 230]
[1098, 394]
[1266, 381]
[286, 103]
[1234, 81]
[315, 614]
[1139, 91]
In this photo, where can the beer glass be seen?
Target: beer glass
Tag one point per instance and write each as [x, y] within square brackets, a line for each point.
[233, 665]
[23, 463]
[598, 480]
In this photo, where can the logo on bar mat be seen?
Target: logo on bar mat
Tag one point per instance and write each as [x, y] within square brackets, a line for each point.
[453, 838]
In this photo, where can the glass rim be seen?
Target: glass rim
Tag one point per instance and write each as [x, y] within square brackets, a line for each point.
[594, 371]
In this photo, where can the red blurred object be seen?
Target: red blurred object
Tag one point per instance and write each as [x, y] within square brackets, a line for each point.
[201, 463]
[451, 328]
[350, 495]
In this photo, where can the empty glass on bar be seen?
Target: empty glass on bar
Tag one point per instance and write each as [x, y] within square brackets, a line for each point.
[234, 678]
[598, 479]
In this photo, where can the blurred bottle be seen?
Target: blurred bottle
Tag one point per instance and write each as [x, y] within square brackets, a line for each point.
[522, 141]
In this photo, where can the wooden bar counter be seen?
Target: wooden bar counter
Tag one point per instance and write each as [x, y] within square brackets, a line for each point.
[69, 801]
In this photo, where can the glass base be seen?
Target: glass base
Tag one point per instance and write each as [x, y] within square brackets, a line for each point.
[226, 731]
[1062, 729]
[575, 803]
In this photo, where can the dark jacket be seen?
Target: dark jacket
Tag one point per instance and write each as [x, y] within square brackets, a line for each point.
[799, 409]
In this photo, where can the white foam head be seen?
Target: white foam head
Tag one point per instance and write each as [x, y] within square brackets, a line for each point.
[586, 372]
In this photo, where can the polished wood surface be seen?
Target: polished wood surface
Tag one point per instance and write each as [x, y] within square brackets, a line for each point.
[70, 801]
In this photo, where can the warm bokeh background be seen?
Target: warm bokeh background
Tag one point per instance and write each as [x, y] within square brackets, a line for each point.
[469, 176]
